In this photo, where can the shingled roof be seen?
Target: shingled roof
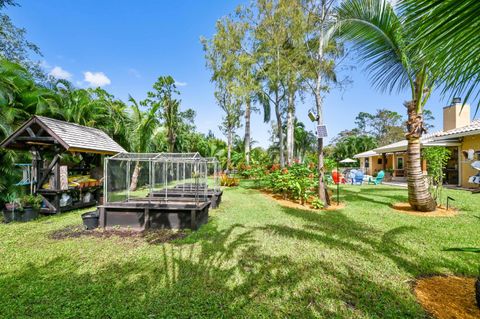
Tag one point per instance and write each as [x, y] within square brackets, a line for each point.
[46, 132]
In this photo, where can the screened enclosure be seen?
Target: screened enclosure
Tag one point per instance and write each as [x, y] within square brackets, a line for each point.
[158, 176]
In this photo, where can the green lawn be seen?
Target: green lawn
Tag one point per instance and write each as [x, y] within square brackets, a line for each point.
[253, 259]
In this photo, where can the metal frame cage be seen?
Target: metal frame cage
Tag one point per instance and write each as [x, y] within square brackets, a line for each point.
[164, 177]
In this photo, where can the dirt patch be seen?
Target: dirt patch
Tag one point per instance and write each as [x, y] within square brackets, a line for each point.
[448, 296]
[292, 204]
[151, 236]
[439, 212]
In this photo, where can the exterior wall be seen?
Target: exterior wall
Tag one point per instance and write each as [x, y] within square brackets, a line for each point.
[469, 142]
[455, 116]
[375, 167]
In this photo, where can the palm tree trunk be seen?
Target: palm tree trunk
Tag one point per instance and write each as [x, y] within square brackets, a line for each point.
[247, 131]
[290, 128]
[418, 195]
[136, 173]
[171, 141]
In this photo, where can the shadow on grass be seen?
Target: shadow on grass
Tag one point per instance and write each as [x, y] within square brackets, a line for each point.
[212, 273]
[374, 195]
[464, 249]
[337, 231]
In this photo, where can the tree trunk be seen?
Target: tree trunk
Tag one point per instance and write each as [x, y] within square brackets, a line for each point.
[418, 195]
[171, 141]
[290, 128]
[229, 149]
[322, 189]
[281, 146]
[136, 173]
[247, 131]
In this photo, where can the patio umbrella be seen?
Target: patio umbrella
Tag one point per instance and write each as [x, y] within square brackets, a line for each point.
[348, 160]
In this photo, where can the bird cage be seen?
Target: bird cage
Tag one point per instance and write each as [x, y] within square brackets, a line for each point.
[160, 177]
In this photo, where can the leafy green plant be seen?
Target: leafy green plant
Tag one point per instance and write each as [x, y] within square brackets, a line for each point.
[317, 203]
[33, 201]
[437, 158]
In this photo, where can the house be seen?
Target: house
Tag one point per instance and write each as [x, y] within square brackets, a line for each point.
[459, 134]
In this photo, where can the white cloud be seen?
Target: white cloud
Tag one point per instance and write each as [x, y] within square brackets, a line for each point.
[178, 83]
[59, 73]
[96, 78]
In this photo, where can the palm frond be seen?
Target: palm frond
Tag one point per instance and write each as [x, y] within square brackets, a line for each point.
[378, 38]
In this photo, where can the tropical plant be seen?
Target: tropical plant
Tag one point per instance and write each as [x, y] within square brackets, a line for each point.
[447, 33]
[437, 158]
[382, 41]
[141, 132]
[33, 201]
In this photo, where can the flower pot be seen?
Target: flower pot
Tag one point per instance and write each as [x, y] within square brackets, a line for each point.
[12, 215]
[29, 213]
[90, 220]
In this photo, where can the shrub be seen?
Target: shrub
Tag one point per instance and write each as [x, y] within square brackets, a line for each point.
[34, 201]
[228, 181]
[317, 203]
[437, 158]
[297, 181]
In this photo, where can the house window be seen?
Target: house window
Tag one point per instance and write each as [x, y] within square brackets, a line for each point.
[379, 161]
[367, 163]
[399, 162]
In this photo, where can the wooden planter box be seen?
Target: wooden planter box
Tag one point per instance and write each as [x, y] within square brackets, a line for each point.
[175, 194]
[141, 214]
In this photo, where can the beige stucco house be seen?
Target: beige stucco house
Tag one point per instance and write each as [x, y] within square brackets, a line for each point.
[459, 134]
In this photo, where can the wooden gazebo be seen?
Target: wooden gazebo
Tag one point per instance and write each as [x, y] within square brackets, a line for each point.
[48, 139]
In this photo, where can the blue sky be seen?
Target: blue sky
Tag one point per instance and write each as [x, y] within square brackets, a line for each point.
[126, 45]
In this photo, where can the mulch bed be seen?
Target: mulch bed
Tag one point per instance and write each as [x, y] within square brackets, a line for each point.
[292, 204]
[447, 297]
[151, 236]
[439, 212]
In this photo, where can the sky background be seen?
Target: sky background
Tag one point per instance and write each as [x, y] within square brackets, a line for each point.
[124, 46]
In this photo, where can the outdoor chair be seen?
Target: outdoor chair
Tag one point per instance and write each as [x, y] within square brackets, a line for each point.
[378, 179]
[358, 178]
[338, 178]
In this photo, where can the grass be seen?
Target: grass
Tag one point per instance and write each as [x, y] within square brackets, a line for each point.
[253, 259]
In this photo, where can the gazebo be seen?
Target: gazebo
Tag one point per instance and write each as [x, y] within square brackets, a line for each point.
[49, 140]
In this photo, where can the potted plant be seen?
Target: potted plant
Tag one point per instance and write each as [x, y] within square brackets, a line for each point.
[388, 174]
[31, 206]
[12, 210]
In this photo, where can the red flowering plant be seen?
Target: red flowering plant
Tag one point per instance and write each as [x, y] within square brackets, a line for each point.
[297, 181]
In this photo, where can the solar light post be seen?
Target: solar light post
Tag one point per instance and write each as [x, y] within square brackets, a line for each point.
[448, 200]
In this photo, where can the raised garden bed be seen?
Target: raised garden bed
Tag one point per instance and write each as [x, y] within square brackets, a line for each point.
[145, 214]
[174, 193]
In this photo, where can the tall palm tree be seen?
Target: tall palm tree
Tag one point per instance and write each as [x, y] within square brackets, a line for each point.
[142, 129]
[383, 42]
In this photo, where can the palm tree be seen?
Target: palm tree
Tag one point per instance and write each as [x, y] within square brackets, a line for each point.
[142, 129]
[19, 98]
[383, 42]
[453, 31]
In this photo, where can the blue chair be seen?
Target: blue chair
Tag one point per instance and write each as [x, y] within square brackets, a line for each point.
[358, 178]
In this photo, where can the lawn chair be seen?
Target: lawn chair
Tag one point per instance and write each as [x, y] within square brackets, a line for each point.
[338, 178]
[358, 178]
[378, 179]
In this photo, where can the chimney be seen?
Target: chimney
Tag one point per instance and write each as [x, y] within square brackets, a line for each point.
[456, 115]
